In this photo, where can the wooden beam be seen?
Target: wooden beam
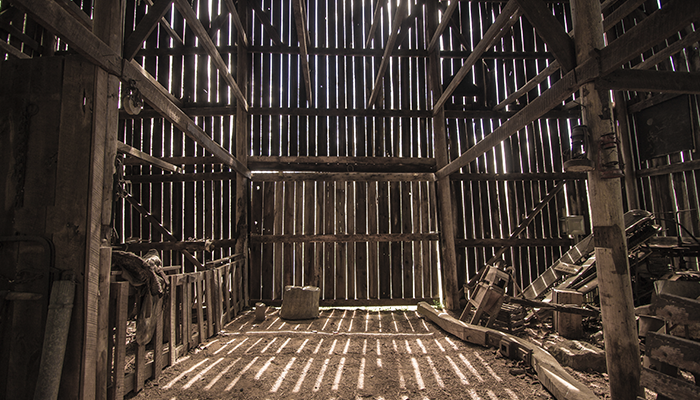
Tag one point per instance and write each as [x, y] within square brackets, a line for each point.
[656, 27]
[375, 22]
[166, 25]
[551, 31]
[667, 52]
[669, 169]
[342, 176]
[446, 18]
[237, 22]
[446, 221]
[377, 237]
[651, 81]
[302, 35]
[12, 50]
[663, 23]
[166, 166]
[517, 242]
[77, 12]
[621, 12]
[264, 19]
[607, 213]
[531, 84]
[160, 228]
[486, 42]
[668, 386]
[151, 92]
[679, 352]
[552, 97]
[400, 14]
[534, 176]
[144, 29]
[60, 22]
[196, 26]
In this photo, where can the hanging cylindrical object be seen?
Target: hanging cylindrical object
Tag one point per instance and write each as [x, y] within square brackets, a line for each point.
[608, 160]
[579, 161]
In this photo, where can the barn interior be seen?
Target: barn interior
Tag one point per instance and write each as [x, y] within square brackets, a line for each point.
[453, 183]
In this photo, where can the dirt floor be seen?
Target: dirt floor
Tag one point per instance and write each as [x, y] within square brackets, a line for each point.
[344, 354]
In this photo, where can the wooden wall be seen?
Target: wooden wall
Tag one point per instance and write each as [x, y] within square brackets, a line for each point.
[337, 131]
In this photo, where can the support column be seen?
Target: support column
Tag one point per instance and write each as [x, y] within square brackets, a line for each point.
[605, 196]
[242, 151]
[444, 193]
[108, 26]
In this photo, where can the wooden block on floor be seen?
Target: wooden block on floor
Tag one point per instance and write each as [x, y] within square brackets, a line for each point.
[566, 324]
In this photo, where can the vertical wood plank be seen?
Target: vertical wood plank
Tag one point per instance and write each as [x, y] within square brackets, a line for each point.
[198, 286]
[121, 295]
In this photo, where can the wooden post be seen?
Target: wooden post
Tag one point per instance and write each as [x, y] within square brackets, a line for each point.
[108, 26]
[605, 196]
[444, 193]
[568, 325]
[242, 149]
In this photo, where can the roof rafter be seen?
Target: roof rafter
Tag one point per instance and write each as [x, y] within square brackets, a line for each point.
[399, 16]
[264, 18]
[551, 31]
[149, 22]
[492, 34]
[446, 18]
[203, 36]
[237, 21]
[166, 25]
[375, 22]
[304, 42]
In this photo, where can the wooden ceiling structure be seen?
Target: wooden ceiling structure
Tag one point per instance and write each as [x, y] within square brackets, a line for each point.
[365, 143]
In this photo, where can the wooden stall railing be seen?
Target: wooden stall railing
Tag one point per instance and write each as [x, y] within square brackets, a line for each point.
[196, 307]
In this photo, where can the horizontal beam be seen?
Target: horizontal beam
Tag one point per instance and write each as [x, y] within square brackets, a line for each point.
[134, 152]
[343, 52]
[693, 165]
[343, 164]
[544, 176]
[517, 242]
[651, 81]
[377, 237]
[342, 176]
[225, 110]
